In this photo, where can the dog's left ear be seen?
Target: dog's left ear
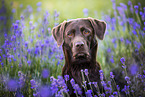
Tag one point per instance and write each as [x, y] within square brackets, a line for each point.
[58, 33]
[99, 27]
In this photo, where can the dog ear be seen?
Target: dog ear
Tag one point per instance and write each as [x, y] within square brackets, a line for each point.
[58, 32]
[99, 27]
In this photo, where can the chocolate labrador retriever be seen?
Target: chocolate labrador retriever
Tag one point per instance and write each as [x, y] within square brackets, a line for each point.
[78, 39]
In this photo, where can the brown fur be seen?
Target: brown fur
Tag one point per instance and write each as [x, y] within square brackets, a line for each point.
[73, 65]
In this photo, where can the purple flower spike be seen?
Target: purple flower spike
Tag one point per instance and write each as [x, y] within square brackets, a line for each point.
[12, 85]
[72, 81]
[129, 3]
[78, 89]
[66, 77]
[136, 8]
[101, 74]
[45, 73]
[122, 60]
[85, 10]
[39, 4]
[33, 84]
[127, 79]
[13, 10]
[86, 72]
[89, 93]
[111, 75]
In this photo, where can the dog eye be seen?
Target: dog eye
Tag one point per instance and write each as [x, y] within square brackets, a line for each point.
[70, 34]
[86, 32]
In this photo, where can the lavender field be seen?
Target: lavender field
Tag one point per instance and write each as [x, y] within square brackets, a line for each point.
[31, 63]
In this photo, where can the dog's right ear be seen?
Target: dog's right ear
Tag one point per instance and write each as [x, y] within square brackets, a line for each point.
[58, 33]
[99, 27]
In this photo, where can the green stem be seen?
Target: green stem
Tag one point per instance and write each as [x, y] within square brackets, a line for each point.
[116, 87]
[90, 85]
[76, 93]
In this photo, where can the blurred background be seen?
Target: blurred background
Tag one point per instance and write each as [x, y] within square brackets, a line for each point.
[68, 9]
[30, 58]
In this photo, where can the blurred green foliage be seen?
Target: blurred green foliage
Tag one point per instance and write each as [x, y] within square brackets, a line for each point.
[67, 8]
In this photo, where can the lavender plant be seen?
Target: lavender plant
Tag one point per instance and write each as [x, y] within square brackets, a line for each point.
[29, 55]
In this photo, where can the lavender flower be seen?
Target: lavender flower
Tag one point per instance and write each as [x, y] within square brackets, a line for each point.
[22, 17]
[86, 72]
[2, 64]
[89, 93]
[49, 30]
[12, 85]
[114, 40]
[101, 75]
[112, 60]
[36, 94]
[0, 59]
[127, 79]
[66, 77]
[103, 95]
[129, 3]
[121, 39]
[123, 5]
[72, 81]
[137, 44]
[113, 1]
[104, 85]
[15, 26]
[59, 94]
[118, 88]
[39, 9]
[134, 32]
[111, 75]
[109, 50]
[109, 83]
[17, 21]
[126, 89]
[133, 69]
[45, 91]
[54, 85]
[122, 60]
[61, 82]
[85, 10]
[95, 84]
[45, 73]
[13, 10]
[39, 4]
[29, 62]
[124, 66]
[136, 8]
[22, 80]
[115, 93]
[128, 42]
[21, 6]
[26, 44]
[13, 38]
[78, 89]
[33, 84]
[56, 14]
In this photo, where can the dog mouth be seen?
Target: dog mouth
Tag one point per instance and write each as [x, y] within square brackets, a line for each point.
[81, 56]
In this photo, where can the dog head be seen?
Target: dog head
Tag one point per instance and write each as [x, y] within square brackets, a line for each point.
[79, 37]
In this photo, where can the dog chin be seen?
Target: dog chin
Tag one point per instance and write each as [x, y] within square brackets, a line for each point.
[81, 60]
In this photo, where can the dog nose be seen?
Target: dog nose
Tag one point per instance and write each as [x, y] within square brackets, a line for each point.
[79, 44]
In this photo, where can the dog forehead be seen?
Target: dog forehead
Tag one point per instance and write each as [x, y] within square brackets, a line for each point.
[78, 23]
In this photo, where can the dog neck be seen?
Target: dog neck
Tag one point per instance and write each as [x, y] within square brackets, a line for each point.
[74, 69]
